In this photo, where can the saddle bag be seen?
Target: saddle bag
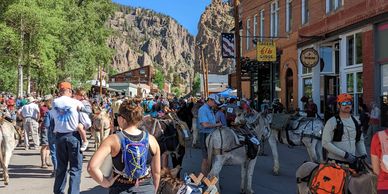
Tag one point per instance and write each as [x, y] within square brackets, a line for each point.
[328, 179]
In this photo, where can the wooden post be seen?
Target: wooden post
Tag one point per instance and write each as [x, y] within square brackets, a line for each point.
[237, 46]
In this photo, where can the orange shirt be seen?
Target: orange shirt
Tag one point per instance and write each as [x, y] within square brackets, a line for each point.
[375, 149]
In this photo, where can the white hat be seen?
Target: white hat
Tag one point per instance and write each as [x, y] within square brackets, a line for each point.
[48, 97]
[214, 97]
[30, 99]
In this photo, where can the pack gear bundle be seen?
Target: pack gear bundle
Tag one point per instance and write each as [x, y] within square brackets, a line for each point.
[328, 179]
[383, 137]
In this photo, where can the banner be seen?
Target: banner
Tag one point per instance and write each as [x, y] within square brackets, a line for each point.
[266, 51]
[227, 45]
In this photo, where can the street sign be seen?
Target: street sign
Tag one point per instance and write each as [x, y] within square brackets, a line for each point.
[266, 51]
[309, 57]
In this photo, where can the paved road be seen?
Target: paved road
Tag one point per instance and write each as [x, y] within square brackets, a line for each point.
[28, 177]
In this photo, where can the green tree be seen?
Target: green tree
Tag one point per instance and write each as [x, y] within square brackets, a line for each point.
[159, 79]
[196, 84]
[176, 91]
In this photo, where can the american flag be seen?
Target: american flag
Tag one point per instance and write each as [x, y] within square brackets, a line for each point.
[227, 45]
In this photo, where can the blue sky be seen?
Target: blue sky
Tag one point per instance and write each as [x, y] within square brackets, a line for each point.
[186, 12]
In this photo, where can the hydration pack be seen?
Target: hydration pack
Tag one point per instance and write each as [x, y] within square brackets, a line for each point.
[134, 156]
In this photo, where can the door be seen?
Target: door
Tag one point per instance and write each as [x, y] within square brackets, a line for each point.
[331, 90]
[289, 90]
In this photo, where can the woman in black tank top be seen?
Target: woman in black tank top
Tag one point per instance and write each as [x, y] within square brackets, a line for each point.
[130, 114]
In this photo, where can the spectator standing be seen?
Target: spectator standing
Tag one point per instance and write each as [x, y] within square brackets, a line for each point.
[374, 121]
[220, 115]
[30, 114]
[311, 108]
[66, 120]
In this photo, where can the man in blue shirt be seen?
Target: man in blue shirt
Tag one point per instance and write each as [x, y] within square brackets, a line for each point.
[207, 123]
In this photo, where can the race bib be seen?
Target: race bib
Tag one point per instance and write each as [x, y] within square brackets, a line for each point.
[230, 110]
[254, 140]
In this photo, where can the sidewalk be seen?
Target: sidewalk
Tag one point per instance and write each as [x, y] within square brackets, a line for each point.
[26, 176]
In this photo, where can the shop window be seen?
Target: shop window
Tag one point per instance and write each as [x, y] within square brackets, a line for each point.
[275, 18]
[326, 53]
[288, 15]
[354, 87]
[308, 87]
[261, 24]
[384, 80]
[248, 33]
[307, 70]
[354, 49]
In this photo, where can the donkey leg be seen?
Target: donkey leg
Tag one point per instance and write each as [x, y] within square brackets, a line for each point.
[274, 148]
[244, 167]
[219, 161]
[319, 150]
[250, 170]
[310, 146]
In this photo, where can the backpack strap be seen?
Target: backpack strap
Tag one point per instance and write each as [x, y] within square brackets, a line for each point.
[339, 130]
[358, 129]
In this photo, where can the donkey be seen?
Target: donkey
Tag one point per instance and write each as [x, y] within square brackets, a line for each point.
[8, 143]
[295, 131]
[224, 146]
[101, 127]
[169, 135]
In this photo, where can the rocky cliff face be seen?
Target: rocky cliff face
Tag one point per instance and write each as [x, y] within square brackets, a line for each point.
[143, 37]
[217, 18]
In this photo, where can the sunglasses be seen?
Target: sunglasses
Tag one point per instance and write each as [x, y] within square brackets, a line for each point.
[346, 103]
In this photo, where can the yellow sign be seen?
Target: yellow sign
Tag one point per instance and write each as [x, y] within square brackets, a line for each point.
[266, 51]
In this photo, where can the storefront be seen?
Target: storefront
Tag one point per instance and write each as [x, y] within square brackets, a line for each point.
[339, 69]
[382, 63]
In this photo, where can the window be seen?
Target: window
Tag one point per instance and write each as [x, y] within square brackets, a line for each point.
[275, 18]
[326, 53]
[307, 70]
[248, 33]
[354, 49]
[261, 24]
[254, 28]
[333, 5]
[288, 15]
[308, 87]
[354, 86]
[305, 11]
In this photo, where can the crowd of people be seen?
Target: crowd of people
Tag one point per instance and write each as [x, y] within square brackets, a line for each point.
[58, 123]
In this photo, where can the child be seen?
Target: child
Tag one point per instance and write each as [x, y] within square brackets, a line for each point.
[80, 95]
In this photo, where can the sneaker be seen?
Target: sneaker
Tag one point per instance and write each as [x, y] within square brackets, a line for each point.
[84, 146]
[26, 148]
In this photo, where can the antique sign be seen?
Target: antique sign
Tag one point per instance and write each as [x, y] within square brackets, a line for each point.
[309, 57]
[266, 51]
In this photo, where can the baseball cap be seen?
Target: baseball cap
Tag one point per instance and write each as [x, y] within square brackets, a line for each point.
[214, 97]
[64, 85]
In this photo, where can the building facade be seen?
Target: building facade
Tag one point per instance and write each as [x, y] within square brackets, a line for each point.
[350, 37]
[347, 35]
[276, 21]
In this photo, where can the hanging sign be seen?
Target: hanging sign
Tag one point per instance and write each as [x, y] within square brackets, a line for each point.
[309, 57]
[266, 51]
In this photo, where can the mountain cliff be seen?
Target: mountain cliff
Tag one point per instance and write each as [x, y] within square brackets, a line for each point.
[143, 37]
[217, 18]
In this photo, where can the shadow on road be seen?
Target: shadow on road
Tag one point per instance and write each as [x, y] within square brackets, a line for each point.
[28, 171]
[27, 154]
[96, 190]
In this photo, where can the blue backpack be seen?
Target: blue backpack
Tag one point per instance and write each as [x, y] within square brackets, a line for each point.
[134, 156]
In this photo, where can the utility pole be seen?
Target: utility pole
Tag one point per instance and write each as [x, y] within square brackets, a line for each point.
[20, 61]
[237, 46]
[204, 71]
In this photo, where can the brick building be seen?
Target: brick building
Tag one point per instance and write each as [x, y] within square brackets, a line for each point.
[348, 35]
[273, 19]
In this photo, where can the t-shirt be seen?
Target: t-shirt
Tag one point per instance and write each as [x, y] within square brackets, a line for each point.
[66, 115]
[30, 111]
[375, 149]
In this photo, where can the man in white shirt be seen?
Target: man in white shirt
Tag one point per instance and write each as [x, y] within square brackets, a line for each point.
[66, 119]
[30, 114]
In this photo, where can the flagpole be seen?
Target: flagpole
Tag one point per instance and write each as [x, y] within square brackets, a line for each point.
[237, 40]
